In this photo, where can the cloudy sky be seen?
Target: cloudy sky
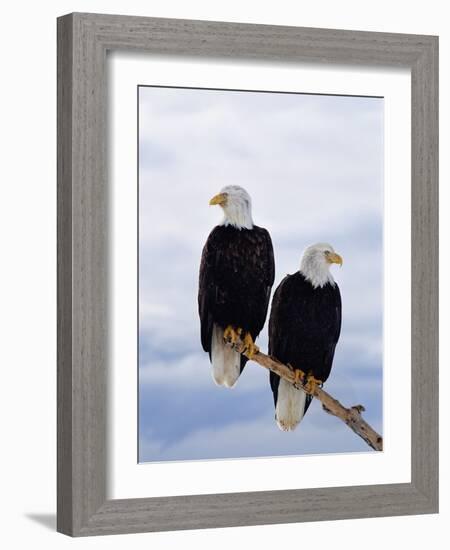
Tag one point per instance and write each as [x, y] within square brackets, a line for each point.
[314, 167]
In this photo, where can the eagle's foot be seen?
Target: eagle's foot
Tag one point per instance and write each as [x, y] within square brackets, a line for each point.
[250, 348]
[299, 377]
[312, 384]
[231, 335]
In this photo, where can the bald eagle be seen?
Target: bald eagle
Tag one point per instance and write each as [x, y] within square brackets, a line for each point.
[304, 328]
[236, 276]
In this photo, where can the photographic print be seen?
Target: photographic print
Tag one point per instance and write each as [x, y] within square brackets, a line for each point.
[260, 223]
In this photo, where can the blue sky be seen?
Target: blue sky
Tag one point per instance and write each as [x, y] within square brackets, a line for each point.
[314, 168]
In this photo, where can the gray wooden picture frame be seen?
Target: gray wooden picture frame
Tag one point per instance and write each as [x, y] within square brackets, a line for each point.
[83, 41]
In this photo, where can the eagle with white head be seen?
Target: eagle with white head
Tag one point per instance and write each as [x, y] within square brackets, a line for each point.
[237, 271]
[304, 328]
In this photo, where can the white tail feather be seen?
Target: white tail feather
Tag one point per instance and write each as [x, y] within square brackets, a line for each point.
[226, 362]
[290, 406]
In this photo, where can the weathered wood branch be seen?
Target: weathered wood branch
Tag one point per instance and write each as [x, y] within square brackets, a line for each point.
[352, 416]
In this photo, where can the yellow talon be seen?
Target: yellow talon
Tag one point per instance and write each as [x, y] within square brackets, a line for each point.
[299, 376]
[250, 348]
[233, 335]
[230, 335]
[312, 384]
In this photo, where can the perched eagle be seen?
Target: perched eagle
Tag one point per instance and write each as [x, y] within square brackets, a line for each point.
[304, 328]
[236, 276]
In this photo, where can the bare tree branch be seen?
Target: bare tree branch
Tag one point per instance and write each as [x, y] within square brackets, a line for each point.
[352, 416]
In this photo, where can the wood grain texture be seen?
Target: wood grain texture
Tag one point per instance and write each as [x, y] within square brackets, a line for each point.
[83, 319]
[83, 247]
[425, 287]
[64, 296]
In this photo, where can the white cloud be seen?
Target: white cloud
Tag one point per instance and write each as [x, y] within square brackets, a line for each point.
[317, 433]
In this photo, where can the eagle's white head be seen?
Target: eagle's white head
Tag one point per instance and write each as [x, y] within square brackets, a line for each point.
[316, 263]
[237, 206]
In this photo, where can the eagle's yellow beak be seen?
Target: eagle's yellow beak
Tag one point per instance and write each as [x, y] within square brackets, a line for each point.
[334, 258]
[219, 199]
